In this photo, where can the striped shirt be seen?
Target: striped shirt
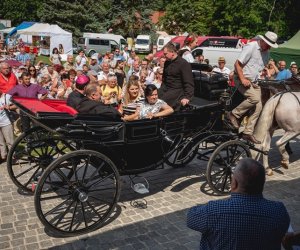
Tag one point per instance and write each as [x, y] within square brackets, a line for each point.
[130, 108]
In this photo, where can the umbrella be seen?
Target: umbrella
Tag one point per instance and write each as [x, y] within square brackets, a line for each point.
[13, 63]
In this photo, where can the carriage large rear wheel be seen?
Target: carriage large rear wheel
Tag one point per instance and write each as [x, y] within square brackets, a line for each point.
[31, 153]
[221, 164]
[83, 188]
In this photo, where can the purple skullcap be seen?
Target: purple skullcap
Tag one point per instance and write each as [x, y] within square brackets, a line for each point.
[82, 79]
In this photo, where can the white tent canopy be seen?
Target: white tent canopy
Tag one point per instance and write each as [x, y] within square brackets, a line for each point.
[57, 35]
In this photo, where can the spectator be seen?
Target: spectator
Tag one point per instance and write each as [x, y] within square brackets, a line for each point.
[244, 221]
[7, 79]
[272, 69]
[125, 53]
[26, 89]
[33, 74]
[153, 107]
[158, 78]
[10, 55]
[103, 75]
[77, 95]
[80, 60]
[47, 83]
[178, 85]
[283, 73]
[65, 88]
[150, 73]
[32, 56]
[94, 63]
[199, 58]
[190, 42]
[23, 56]
[294, 69]
[69, 64]
[61, 49]
[131, 59]
[160, 64]
[111, 92]
[6, 127]
[120, 73]
[222, 69]
[135, 70]
[55, 58]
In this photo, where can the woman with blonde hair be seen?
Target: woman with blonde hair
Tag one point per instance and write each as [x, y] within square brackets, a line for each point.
[132, 100]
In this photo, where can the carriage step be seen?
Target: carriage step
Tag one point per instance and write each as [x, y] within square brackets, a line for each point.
[139, 187]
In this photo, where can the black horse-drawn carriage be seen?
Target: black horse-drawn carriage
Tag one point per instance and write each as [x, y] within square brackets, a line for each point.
[73, 162]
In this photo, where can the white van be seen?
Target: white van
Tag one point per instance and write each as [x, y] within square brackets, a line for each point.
[93, 43]
[213, 54]
[162, 40]
[143, 44]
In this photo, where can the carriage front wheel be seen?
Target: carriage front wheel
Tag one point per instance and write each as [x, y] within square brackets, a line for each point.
[77, 192]
[221, 164]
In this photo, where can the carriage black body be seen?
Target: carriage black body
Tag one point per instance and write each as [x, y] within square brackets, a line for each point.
[68, 156]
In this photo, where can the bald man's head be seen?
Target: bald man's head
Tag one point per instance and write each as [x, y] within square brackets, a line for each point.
[250, 176]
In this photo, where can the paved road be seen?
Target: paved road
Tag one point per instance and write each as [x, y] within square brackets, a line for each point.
[161, 225]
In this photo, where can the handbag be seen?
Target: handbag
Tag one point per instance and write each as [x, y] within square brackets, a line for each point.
[11, 114]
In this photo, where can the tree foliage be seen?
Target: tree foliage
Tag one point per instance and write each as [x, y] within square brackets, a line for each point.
[19, 10]
[188, 15]
[132, 17]
[75, 16]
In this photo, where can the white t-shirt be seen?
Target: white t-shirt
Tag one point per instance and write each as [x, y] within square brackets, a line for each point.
[4, 100]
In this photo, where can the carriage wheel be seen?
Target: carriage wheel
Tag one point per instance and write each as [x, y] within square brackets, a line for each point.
[188, 150]
[31, 153]
[83, 188]
[221, 164]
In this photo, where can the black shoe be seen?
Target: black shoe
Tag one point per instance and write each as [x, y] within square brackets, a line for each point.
[250, 138]
[234, 122]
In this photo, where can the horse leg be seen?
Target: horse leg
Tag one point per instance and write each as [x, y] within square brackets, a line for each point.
[285, 161]
[266, 147]
[281, 143]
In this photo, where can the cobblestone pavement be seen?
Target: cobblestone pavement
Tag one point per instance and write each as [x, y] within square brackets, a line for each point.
[161, 225]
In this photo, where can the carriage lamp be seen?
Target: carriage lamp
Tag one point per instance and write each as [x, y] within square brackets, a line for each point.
[225, 100]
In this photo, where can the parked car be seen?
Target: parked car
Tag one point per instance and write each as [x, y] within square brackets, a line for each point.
[143, 44]
[93, 43]
[207, 41]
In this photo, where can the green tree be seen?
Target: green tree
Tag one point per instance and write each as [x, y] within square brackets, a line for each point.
[131, 17]
[19, 10]
[188, 15]
[75, 16]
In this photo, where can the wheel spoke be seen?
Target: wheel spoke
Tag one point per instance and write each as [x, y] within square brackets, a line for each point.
[54, 197]
[26, 171]
[64, 213]
[73, 217]
[32, 176]
[57, 207]
[99, 181]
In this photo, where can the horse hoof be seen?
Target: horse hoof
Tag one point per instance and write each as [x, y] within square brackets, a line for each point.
[269, 171]
[284, 164]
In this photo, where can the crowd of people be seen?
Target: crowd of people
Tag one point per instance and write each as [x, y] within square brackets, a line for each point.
[120, 85]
